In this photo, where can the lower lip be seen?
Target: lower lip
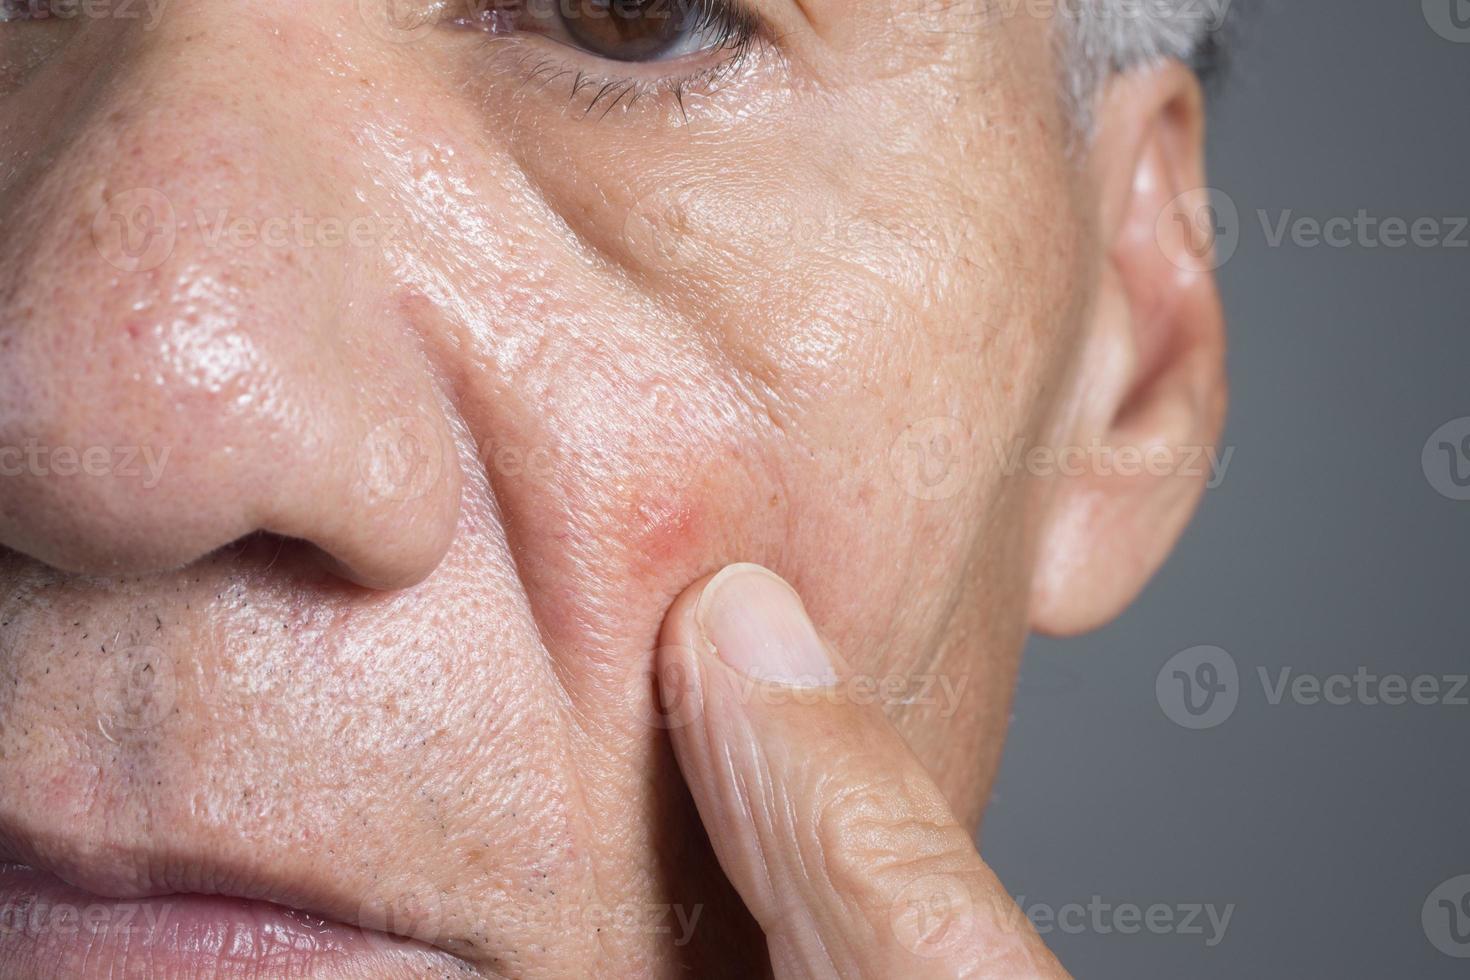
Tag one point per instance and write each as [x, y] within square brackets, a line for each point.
[50, 928]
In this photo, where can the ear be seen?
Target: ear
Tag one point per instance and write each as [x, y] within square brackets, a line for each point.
[1136, 447]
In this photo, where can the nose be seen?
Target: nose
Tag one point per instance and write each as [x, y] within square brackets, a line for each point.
[199, 339]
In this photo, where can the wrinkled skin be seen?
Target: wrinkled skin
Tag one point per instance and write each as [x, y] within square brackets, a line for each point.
[621, 350]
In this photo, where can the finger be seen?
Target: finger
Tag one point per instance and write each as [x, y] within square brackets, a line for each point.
[838, 841]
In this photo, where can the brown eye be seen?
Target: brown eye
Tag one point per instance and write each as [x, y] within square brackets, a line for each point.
[628, 30]
[620, 30]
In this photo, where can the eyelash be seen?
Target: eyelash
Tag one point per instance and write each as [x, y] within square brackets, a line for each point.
[734, 35]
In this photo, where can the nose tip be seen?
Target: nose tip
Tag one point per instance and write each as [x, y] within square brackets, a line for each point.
[168, 386]
[119, 463]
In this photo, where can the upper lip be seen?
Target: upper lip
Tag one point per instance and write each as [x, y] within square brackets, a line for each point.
[128, 875]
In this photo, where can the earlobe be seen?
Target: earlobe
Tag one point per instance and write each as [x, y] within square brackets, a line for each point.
[1148, 393]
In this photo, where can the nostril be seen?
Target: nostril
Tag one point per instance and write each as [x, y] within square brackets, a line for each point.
[89, 508]
[279, 558]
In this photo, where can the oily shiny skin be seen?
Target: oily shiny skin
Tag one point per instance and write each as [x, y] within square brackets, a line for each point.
[631, 349]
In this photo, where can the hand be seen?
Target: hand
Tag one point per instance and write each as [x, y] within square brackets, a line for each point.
[838, 841]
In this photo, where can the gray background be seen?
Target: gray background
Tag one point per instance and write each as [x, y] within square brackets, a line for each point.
[1325, 549]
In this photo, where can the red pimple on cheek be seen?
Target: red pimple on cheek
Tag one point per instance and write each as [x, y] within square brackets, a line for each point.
[671, 528]
[666, 530]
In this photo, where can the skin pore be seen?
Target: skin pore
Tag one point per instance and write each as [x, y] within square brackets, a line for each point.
[625, 344]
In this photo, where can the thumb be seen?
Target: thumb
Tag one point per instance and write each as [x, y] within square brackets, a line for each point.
[838, 841]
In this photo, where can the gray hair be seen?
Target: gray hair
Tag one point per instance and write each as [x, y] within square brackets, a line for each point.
[1101, 37]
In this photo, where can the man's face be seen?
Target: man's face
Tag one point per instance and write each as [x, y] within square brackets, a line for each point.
[378, 385]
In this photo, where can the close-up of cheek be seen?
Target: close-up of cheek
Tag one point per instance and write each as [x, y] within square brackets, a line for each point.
[414, 428]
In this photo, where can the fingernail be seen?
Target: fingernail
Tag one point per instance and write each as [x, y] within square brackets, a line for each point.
[757, 625]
